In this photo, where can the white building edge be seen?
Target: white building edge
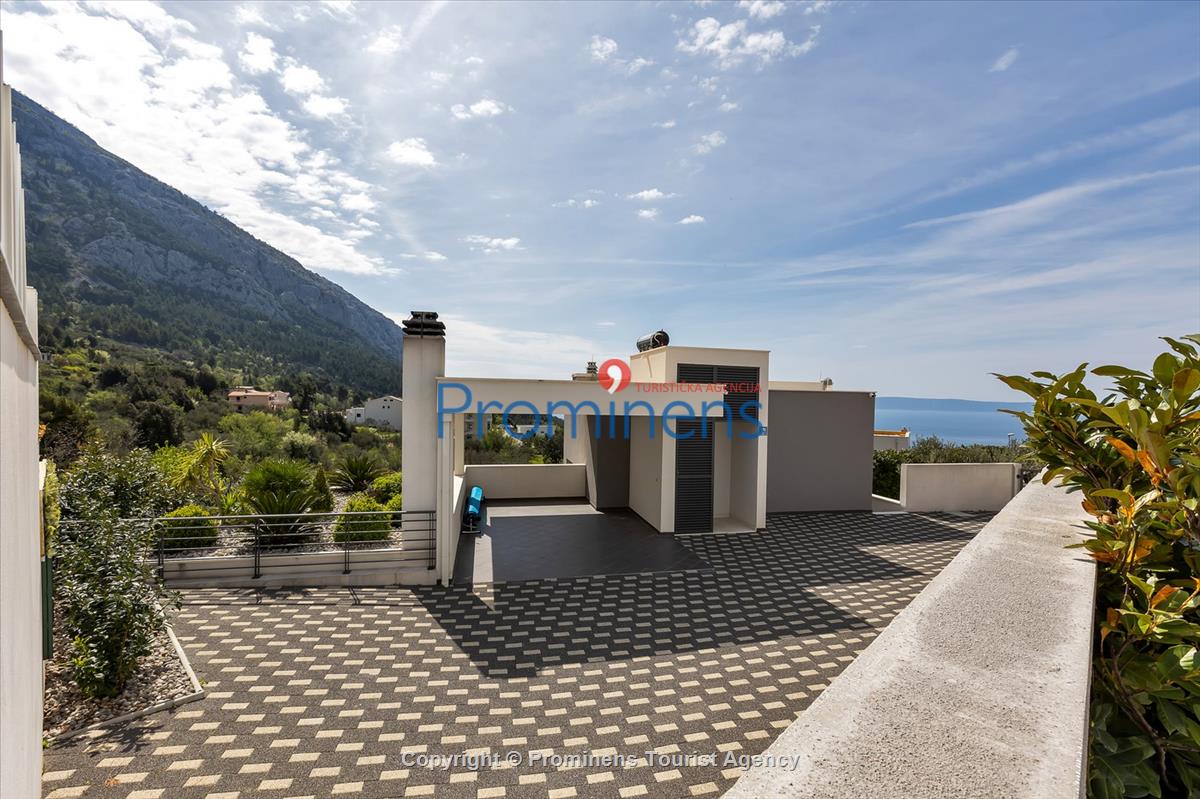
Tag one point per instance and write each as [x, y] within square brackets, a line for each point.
[20, 527]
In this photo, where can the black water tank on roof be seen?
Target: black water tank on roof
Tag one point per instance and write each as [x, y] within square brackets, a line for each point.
[653, 341]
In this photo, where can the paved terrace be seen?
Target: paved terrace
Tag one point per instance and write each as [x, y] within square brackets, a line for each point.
[325, 692]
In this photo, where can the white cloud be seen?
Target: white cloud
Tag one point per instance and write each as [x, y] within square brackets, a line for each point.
[574, 203]
[637, 65]
[763, 9]
[602, 48]
[258, 55]
[709, 142]
[491, 244]
[338, 8]
[411, 152]
[474, 349]
[434, 255]
[693, 219]
[666, 124]
[226, 147]
[648, 213]
[357, 201]
[148, 17]
[250, 15]
[387, 41]
[649, 195]
[1006, 60]
[299, 79]
[483, 108]
[321, 106]
[731, 44]
[728, 106]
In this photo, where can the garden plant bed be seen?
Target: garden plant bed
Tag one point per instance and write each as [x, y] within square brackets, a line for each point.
[163, 680]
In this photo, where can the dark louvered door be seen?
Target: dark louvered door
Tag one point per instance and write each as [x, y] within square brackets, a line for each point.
[693, 477]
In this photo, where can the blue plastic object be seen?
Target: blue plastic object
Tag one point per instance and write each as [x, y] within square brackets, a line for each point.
[475, 504]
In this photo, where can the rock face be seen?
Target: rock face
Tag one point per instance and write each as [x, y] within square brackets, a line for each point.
[105, 239]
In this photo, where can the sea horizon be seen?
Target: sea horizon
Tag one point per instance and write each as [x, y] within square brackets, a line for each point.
[954, 420]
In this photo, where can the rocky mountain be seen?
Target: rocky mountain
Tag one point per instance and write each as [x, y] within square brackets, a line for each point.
[118, 254]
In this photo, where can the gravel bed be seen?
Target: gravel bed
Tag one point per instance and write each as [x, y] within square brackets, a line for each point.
[161, 676]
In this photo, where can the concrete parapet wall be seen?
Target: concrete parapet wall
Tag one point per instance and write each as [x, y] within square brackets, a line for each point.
[528, 480]
[978, 688]
[933, 487]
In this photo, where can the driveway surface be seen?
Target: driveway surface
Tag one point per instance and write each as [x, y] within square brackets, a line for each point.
[541, 688]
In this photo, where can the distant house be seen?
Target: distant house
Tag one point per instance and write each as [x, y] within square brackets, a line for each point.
[248, 398]
[893, 439]
[380, 412]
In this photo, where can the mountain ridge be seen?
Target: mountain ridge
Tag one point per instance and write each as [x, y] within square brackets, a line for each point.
[118, 253]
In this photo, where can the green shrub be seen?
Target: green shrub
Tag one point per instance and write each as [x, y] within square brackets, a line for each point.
[368, 528]
[180, 534]
[357, 472]
[396, 503]
[1135, 457]
[125, 486]
[254, 435]
[885, 473]
[389, 485]
[277, 477]
[112, 602]
[303, 447]
[285, 520]
[320, 487]
[51, 509]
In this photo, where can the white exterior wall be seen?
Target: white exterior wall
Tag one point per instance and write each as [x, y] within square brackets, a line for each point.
[748, 464]
[528, 480]
[424, 362]
[645, 471]
[932, 487]
[384, 412]
[20, 534]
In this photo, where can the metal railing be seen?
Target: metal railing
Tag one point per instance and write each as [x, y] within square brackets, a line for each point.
[215, 544]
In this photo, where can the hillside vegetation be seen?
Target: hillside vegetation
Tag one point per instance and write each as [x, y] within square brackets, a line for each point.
[120, 257]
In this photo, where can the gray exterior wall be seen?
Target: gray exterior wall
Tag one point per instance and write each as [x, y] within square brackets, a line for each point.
[819, 450]
[607, 463]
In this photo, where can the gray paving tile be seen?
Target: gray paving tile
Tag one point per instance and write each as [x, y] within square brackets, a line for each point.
[320, 692]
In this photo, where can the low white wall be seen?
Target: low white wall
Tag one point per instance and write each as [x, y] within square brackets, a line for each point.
[978, 688]
[528, 480]
[932, 487]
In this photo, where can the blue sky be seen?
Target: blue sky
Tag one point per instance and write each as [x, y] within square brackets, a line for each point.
[902, 197]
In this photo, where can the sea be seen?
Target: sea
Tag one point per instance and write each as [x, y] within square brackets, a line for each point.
[960, 421]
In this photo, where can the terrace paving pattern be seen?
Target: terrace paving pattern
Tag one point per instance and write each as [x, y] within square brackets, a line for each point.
[327, 692]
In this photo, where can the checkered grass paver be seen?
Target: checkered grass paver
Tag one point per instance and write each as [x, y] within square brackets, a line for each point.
[342, 692]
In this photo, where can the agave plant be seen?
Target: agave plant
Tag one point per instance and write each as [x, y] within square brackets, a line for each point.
[357, 472]
[286, 519]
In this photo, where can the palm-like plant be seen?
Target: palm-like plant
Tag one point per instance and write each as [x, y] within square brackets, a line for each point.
[357, 472]
[201, 469]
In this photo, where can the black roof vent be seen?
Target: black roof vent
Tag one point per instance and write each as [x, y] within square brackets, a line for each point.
[424, 324]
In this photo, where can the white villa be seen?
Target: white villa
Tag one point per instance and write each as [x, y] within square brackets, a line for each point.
[383, 411]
